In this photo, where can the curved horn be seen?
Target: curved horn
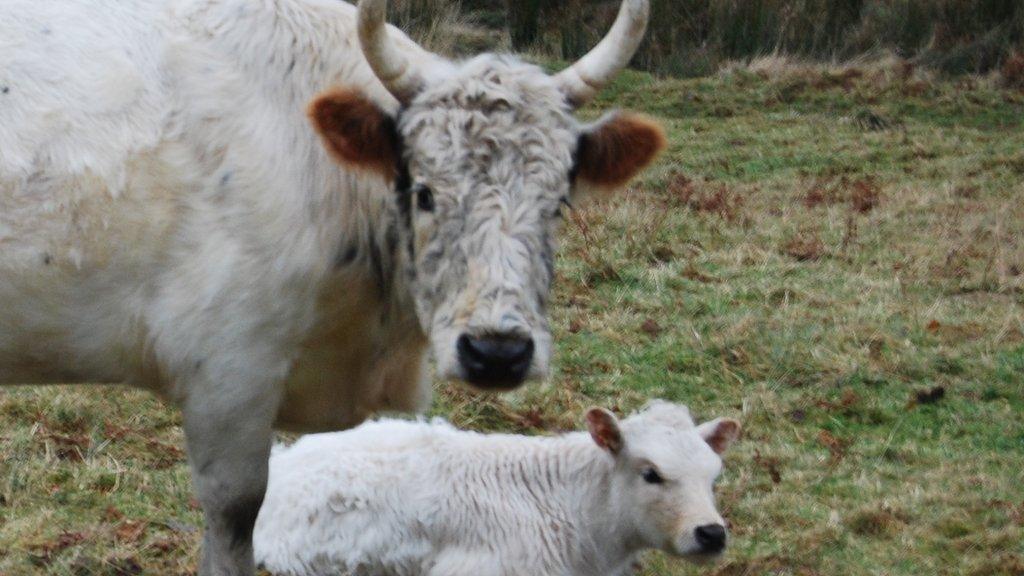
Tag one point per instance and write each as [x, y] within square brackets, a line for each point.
[581, 81]
[388, 62]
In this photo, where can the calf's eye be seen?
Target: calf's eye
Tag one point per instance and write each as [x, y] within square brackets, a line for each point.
[425, 199]
[651, 476]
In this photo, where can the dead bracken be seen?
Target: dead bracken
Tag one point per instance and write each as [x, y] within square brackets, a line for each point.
[705, 197]
[877, 522]
[805, 247]
[1012, 71]
[651, 327]
[769, 465]
[865, 195]
[862, 194]
[836, 446]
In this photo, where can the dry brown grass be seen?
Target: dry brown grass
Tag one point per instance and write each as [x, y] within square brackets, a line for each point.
[805, 246]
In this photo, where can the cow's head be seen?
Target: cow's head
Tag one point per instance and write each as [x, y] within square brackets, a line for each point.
[484, 155]
[661, 489]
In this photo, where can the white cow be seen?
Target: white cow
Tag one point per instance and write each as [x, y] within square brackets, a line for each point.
[170, 217]
[417, 499]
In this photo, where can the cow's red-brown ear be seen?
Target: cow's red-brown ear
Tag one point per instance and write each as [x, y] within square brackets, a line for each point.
[616, 148]
[356, 132]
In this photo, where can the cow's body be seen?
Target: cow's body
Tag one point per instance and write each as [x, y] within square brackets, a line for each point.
[170, 219]
[118, 198]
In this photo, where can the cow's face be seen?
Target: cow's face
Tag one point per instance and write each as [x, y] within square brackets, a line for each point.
[665, 468]
[488, 157]
[483, 163]
[483, 154]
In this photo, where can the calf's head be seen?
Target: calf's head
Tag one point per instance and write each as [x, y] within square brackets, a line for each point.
[665, 469]
[483, 156]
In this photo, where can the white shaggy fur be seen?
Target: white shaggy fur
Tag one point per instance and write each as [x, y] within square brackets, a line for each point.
[169, 219]
[414, 498]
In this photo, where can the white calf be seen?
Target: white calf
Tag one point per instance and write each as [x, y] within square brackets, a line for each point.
[414, 498]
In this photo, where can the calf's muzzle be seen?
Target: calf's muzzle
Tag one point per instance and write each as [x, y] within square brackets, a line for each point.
[710, 538]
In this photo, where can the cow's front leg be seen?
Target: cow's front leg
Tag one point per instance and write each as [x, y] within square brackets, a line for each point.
[229, 432]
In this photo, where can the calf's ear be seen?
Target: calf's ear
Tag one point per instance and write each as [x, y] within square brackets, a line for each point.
[719, 433]
[616, 148]
[356, 132]
[604, 429]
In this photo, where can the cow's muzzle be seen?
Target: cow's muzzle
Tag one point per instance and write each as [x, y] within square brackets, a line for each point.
[495, 361]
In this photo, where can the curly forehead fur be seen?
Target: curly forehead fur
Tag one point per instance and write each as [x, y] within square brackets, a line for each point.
[488, 105]
[493, 80]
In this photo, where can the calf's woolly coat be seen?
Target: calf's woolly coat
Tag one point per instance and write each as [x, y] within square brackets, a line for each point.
[415, 498]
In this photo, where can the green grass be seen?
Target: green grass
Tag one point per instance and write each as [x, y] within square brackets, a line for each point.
[783, 263]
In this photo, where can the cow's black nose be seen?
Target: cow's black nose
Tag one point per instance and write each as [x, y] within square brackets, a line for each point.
[495, 361]
[710, 537]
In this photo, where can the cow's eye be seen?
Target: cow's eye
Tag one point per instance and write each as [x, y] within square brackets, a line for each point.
[425, 199]
[651, 476]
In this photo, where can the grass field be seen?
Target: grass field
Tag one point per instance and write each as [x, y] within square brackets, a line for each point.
[836, 257]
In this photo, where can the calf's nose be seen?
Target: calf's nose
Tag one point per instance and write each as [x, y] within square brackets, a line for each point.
[495, 361]
[710, 537]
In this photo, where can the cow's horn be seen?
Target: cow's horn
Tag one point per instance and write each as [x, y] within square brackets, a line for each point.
[388, 63]
[581, 81]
